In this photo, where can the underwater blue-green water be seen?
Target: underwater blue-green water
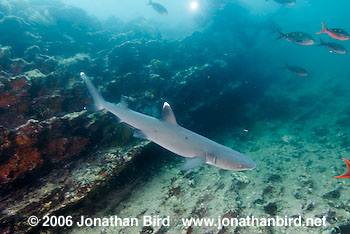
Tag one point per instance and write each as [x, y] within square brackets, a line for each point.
[252, 75]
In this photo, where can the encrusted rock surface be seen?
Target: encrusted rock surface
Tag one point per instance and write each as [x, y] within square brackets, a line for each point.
[63, 187]
[53, 152]
[53, 155]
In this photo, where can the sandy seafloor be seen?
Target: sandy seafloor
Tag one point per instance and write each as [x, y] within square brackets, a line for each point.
[296, 159]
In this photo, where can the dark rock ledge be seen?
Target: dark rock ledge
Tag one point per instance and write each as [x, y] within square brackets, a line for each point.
[63, 185]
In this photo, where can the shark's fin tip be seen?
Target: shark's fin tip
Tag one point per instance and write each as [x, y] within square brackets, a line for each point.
[168, 114]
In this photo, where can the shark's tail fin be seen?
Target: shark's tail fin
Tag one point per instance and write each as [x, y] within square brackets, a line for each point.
[99, 102]
[324, 29]
[280, 36]
[150, 2]
[286, 65]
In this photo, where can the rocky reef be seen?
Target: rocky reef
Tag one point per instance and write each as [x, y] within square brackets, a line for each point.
[55, 154]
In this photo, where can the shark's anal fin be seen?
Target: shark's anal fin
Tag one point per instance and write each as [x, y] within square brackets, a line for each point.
[193, 162]
[168, 114]
[139, 134]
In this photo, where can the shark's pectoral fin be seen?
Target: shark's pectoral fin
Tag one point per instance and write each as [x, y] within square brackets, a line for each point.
[193, 162]
[139, 134]
[91, 108]
[168, 114]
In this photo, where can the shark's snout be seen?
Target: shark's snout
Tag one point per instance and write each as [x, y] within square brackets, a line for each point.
[251, 166]
[230, 159]
[247, 164]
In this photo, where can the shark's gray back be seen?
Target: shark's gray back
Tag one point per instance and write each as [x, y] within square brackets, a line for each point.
[168, 134]
[172, 137]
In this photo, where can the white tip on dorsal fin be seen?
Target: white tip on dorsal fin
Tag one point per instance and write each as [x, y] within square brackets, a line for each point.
[168, 114]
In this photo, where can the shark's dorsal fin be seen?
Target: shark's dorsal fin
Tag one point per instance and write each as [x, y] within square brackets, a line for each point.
[123, 102]
[168, 114]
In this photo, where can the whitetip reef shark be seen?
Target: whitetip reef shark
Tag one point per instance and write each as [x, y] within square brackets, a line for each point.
[168, 134]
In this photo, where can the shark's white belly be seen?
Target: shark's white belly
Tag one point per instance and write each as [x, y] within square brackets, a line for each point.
[174, 138]
[171, 137]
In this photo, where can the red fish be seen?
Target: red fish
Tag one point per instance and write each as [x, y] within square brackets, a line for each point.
[336, 33]
[347, 173]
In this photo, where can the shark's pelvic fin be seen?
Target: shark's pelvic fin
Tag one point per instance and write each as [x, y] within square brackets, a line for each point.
[168, 114]
[193, 162]
[118, 119]
[139, 134]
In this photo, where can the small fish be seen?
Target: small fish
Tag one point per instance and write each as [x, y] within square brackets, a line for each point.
[297, 70]
[285, 2]
[347, 173]
[158, 8]
[297, 37]
[336, 33]
[333, 47]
